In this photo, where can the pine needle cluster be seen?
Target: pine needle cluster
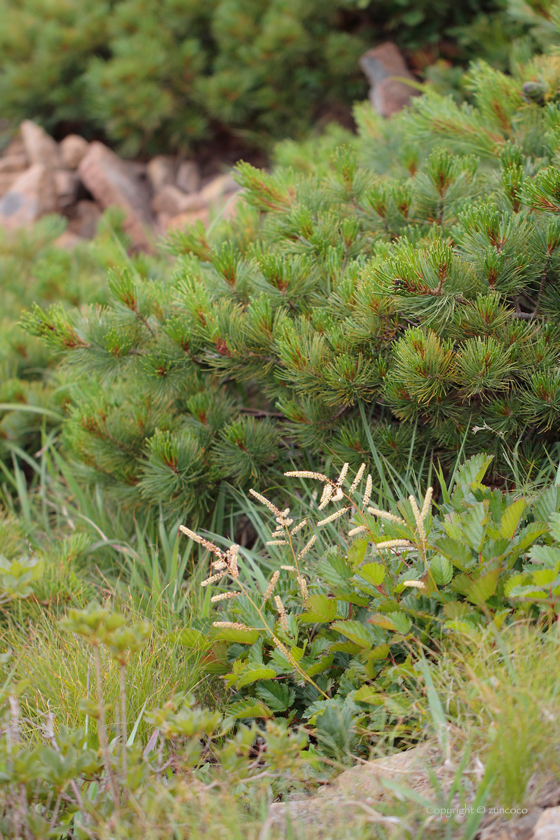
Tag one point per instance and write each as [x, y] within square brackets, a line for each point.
[401, 292]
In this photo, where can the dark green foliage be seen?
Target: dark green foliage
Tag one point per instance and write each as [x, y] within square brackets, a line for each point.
[164, 75]
[400, 296]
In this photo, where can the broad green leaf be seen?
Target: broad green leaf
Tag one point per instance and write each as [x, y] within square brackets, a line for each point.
[355, 631]
[483, 588]
[473, 471]
[474, 521]
[334, 569]
[231, 634]
[442, 569]
[254, 674]
[351, 597]
[547, 503]
[345, 647]
[381, 621]
[458, 552]
[546, 555]
[249, 708]
[368, 694]
[320, 609]
[357, 552]
[510, 520]
[554, 524]
[320, 666]
[401, 622]
[277, 695]
[373, 573]
[542, 577]
[379, 652]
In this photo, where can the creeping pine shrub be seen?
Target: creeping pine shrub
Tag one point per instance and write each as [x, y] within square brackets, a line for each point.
[343, 619]
[399, 295]
[160, 76]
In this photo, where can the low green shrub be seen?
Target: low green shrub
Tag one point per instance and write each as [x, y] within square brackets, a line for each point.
[396, 299]
[158, 77]
[341, 619]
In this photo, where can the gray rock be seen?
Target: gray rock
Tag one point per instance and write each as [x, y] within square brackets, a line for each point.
[188, 177]
[172, 201]
[72, 150]
[111, 182]
[31, 195]
[381, 66]
[39, 146]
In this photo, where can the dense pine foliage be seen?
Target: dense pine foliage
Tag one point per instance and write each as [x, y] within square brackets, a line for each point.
[401, 296]
[160, 76]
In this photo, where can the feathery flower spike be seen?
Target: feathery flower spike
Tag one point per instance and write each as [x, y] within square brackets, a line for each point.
[395, 544]
[213, 578]
[271, 585]
[224, 596]
[272, 508]
[202, 541]
[337, 495]
[306, 474]
[427, 502]
[277, 542]
[418, 518]
[307, 547]
[342, 475]
[281, 612]
[289, 568]
[368, 490]
[231, 558]
[298, 527]
[416, 584]
[326, 495]
[303, 587]
[333, 516]
[359, 530]
[231, 625]
[383, 514]
[357, 478]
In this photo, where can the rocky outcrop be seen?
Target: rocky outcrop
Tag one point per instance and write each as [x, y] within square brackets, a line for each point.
[386, 71]
[81, 179]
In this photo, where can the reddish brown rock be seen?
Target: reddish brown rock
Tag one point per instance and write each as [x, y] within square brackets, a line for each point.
[548, 825]
[171, 200]
[160, 172]
[188, 177]
[68, 240]
[111, 182]
[31, 195]
[73, 149]
[183, 220]
[385, 67]
[39, 146]
[14, 163]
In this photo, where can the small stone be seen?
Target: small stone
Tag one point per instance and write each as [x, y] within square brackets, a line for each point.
[72, 150]
[31, 195]
[85, 218]
[548, 825]
[171, 200]
[6, 181]
[161, 171]
[218, 187]
[188, 177]
[183, 220]
[381, 65]
[111, 182]
[66, 183]
[14, 163]
[68, 240]
[39, 146]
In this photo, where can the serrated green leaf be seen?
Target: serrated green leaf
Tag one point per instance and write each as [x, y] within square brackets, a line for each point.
[381, 621]
[372, 573]
[249, 709]
[192, 638]
[320, 609]
[252, 675]
[483, 588]
[546, 555]
[320, 666]
[276, 695]
[554, 525]
[357, 552]
[474, 522]
[368, 694]
[345, 647]
[356, 632]
[441, 569]
[511, 518]
[401, 622]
